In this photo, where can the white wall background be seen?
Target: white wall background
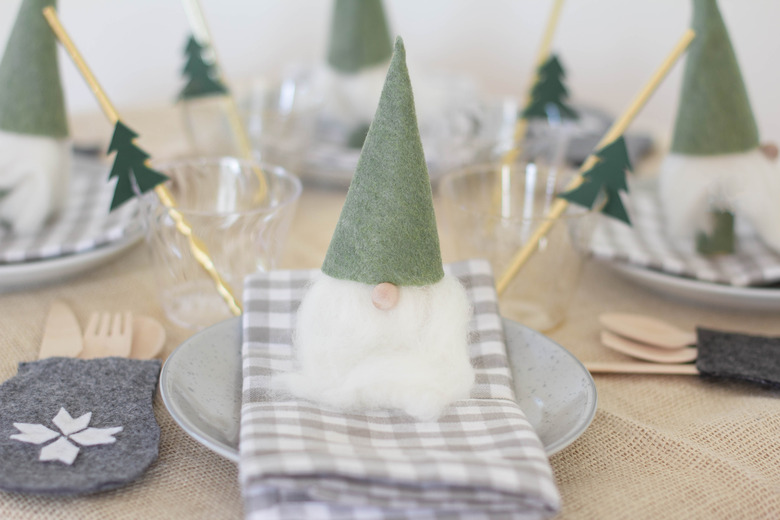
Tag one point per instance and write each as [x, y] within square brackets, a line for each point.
[610, 47]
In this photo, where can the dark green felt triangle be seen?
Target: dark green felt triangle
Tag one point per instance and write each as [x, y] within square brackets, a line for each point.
[549, 89]
[130, 157]
[614, 207]
[129, 168]
[552, 67]
[616, 153]
[387, 228]
[201, 76]
[608, 175]
[122, 135]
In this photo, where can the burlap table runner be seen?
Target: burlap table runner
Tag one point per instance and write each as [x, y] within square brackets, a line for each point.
[659, 447]
[671, 447]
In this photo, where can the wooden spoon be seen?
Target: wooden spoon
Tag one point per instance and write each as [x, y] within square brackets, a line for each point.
[646, 329]
[148, 338]
[647, 352]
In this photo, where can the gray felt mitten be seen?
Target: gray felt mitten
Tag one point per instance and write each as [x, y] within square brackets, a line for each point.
[73, 426]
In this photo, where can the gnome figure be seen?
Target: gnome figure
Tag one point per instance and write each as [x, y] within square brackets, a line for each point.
[358, 53]
[34, 145]
[716, 169]
[384, 327]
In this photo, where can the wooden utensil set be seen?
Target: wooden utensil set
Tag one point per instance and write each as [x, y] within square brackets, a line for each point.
[118, 334]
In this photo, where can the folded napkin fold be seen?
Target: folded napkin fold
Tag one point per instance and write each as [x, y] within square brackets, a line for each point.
[480, 459]
[648, 244]
[83, 224]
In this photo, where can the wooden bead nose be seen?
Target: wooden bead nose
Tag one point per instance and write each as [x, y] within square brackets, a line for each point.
[769, 150]
[385, 296]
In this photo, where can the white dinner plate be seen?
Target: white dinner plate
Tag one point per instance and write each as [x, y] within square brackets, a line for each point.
[696, 291]
[21, 275]
[201, 380]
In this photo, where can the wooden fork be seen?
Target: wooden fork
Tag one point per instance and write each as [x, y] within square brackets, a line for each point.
[108, 335]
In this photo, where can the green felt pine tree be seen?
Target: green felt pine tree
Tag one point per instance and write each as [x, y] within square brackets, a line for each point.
[131, 173]
[549, 94]
[202, 77]
[608, 175]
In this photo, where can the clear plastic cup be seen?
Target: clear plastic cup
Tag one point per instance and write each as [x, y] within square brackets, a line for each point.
[492, 210]
[242, 232]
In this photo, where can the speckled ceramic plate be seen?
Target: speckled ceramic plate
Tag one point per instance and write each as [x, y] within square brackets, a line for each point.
[200, 385]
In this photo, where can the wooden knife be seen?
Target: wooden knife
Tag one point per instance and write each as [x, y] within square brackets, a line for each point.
[61, 333]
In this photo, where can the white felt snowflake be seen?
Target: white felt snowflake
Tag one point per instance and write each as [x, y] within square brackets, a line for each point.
[72, 430]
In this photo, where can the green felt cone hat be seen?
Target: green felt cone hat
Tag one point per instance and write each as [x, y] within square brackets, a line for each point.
[387, 229]
[714, 115]
[31, 100]
[359, 36]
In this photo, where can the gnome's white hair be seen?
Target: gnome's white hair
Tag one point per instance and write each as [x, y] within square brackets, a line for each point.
[353, 356]
[747, 184]
[356, 94]
[34, 173]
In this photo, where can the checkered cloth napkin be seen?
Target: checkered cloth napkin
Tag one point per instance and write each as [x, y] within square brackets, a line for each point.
[82, 225]
[480, 460]
[647, 244]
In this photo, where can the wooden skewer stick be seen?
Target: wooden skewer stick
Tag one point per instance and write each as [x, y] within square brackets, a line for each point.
[606, 367]
[197, 247]
[617, 129]
[200, 30]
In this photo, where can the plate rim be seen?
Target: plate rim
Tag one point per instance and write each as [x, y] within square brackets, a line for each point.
[762, 298]
[20, 275]
[229, 453]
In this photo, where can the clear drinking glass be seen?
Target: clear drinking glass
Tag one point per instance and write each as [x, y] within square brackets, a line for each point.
[208, 127]
[492, 210]
[242, 232]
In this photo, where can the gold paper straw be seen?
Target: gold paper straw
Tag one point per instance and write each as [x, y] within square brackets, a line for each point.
[200, 30]
[521, 125]
[197, 247]
[617, 129]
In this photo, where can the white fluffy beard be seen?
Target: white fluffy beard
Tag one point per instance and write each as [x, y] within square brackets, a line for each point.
[747, 184]
[350, 95]
[353, 356]
[34, 171]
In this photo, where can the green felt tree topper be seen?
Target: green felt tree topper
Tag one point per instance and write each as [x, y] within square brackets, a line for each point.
[31, 100]
[387, 228]
[608, 175]
[359, 36]
[201, 75]
[549, 94]
[129, 169]
[714, 114]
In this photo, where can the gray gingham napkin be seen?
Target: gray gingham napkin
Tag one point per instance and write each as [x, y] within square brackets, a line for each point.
[83, 224]
[647, 244]
[480, 460]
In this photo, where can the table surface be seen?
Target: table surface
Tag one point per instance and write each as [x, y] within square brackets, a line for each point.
[658, 447]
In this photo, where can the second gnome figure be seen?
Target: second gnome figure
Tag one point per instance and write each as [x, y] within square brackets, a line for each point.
[384, 326]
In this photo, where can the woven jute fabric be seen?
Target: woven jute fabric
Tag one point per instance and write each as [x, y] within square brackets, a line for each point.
[673, 447]
[670, 447]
